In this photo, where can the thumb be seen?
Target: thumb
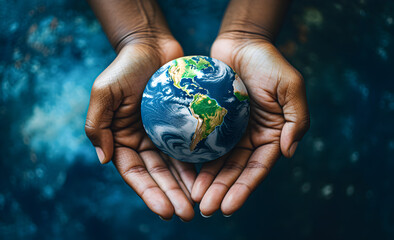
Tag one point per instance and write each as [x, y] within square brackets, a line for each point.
[296, 114]
[98, 121]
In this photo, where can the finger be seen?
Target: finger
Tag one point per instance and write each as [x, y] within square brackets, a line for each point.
[98, 121]
[160, 172]
[178, 174]
[205, 177]
[135, 174]
[180, 182]
[186, 171]
[229, 173]
[257, 168]
[295, 110]
[177, 177]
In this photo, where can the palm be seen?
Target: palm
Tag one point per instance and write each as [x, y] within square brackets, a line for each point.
[114, 123]
[126, 124]
[272, 84]
[261, 74]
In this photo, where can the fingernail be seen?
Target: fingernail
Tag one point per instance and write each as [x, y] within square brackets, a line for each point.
[182, 220]
[293, 148]
[164, 219]
[224, 215]
[100, 154]
[205, 216]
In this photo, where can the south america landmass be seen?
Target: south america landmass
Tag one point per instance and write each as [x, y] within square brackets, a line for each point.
[208, 114]
[207, 111]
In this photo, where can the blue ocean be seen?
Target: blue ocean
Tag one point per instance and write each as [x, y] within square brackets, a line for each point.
[338, 185]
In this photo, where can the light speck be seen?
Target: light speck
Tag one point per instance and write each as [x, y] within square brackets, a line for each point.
[387, 101]
[338, 6]
[297, 172]
[354, 157]
[391, 145]
[306, 187]
[89, 61]
[350, 190]
[318, 145]
[48, 192]
[14, 26]
[144, 228]
[382, 53]
[39, 172]
[327, 191]
[313, 17]
[389, 20]
[61, 178]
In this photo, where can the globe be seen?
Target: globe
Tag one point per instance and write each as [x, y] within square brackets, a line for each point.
[195, 109]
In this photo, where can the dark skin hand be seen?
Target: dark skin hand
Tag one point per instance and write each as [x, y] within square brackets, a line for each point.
[279, 113]
[278, 108]
[114, 123]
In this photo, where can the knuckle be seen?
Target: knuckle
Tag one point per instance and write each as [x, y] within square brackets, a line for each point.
[221, 184]
[245, 186]
[304, 123]
[133, 170]
[100, 85]
[257, 165]
[147, 189]
[172, 189]
[158, 169]
[103, 90]
[298, 80]
[231, 166]
[294, 86]
[90, 130]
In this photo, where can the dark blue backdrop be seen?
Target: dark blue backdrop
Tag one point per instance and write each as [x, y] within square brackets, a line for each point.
[339, 185]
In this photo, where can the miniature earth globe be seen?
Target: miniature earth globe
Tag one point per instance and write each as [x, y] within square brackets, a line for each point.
[195, 109]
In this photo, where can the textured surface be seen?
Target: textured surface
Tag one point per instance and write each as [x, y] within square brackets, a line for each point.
[190, 109]
[339, 185]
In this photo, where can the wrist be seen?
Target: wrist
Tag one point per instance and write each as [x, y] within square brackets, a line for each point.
[129, 21]
[243, 37]
[150, 36]
[159, 48]
[254, 19]
[244, 31]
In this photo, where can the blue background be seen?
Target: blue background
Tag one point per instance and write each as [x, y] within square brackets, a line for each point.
[339, 185]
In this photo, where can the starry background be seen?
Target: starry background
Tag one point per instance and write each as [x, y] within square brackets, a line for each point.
[339, 184]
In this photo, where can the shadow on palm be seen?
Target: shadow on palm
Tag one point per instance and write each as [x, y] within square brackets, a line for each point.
[115, 127]
[278, 120]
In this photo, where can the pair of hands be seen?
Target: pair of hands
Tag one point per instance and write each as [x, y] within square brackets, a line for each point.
[278, 120]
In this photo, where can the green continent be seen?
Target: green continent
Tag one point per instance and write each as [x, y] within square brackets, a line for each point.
[187, 67]
[205, 109]
[241, 97]
[209, 115]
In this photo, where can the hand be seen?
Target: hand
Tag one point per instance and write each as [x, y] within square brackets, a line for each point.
[278, 120]
[115, 128]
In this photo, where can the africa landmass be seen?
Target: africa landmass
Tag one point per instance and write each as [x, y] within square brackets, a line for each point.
[240, 91]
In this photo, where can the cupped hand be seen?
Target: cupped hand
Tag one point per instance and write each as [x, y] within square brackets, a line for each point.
[115, 128]
[278, 120]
